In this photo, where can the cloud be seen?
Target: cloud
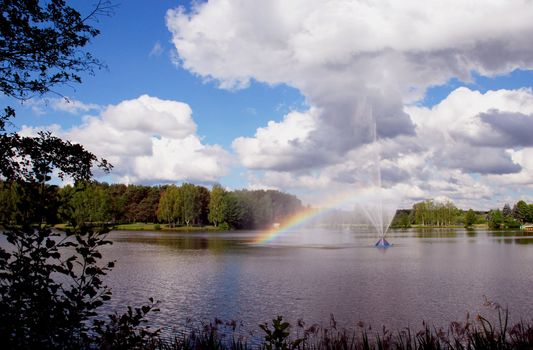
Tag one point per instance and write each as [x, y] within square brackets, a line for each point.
[356, 62]
[469, 147]
[281, 146]
[63, 104]
[476, 132]
[507, 129]
[157, 50]
[149, 140]
[73, 106]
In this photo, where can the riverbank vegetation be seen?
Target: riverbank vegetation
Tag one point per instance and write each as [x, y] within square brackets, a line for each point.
[170, 206]
[190, 207]
[479, 333]
[445, 214]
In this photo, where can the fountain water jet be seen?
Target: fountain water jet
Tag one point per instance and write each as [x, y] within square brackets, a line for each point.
[379, 213]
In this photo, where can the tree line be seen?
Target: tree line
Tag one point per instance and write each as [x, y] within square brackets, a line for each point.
[508, 217]
[184, 205]
[434, 213]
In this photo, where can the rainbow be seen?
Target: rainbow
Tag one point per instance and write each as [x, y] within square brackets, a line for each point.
[305, 216]
[299, 219]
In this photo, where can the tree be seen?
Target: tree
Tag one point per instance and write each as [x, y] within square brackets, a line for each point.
[203, 198]
[470, 218]
[216, 204]
[147, 208]
[50, 283]
[234, 210]
[506, 211]
[495, 219]
[521, 212]
[166, 209]
[401, 219]
[41, 45]
[194, 201]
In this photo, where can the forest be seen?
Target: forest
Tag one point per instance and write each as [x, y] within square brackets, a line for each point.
[189, 205]
[184, 205]
[445, 214]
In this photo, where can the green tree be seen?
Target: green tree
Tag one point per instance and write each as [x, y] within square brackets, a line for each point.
[89, 203]
[8, 202]
[216, 204]
[147, 208]
[117, 201]
[167, 208]
[50, 283]
[234, 210]
[190, 205]
[506, 211]
[521, 212]
[41, 46]
[495, 219]
[470, 218]
[401, 219]
[203, 198]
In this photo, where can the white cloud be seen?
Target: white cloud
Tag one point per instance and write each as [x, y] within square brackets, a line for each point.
[452, 153]
[342, 55]
[283, 145]
[63, 104]
[73, 106]
[357, 62]
[157, 50]
[149, 140]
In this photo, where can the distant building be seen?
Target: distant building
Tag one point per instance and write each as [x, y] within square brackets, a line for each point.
[527, 227]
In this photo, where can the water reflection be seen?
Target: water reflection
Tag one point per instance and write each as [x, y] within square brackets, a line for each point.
[436, 275]
[191, 241]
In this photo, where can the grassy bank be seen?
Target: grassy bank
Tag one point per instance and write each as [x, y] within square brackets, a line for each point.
[139, 226]
[164, 227]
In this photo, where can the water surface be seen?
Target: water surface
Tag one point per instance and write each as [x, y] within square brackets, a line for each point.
[432, 275]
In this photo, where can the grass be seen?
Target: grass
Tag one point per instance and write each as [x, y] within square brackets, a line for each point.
[163, 227]
[280, 335]
[139, 226]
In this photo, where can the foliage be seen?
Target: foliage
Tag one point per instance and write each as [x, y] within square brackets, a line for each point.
[401, 219]
[168, 209]
[125, 331]
[477, 334]
[87, 203]
[41, 45]
[495, 219]
[216, 205]
[235, 212]
[506, 211]
[50, 283]
[33, 158]
[278, 337]
[470, 218]
[521, 212]
[432, 213]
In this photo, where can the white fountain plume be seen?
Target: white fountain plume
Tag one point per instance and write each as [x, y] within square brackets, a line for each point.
[380, 207]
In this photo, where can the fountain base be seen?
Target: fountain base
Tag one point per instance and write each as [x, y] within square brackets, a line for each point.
[383, 244]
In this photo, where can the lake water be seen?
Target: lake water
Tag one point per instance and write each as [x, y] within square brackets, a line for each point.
[433, 275]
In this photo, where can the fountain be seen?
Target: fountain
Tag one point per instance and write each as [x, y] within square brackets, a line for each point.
[381, 208]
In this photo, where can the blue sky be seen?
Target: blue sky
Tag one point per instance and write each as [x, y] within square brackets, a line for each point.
[283, 96]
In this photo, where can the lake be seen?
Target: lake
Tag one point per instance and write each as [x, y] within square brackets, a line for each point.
[435, 275]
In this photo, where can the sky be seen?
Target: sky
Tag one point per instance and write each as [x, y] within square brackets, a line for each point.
[311, 97]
